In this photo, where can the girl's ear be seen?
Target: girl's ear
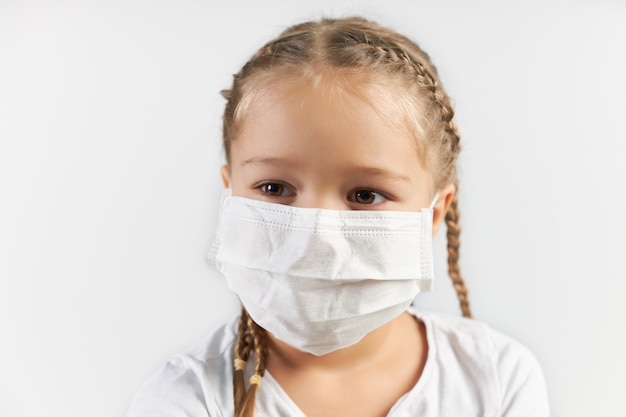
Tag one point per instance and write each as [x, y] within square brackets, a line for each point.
[441, 206]
[225, 175]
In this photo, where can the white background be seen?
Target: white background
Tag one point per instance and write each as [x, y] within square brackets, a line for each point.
[109, 157]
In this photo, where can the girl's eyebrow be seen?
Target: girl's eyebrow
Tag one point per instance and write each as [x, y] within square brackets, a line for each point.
[360, 170]
[379, 172]
[270, 160]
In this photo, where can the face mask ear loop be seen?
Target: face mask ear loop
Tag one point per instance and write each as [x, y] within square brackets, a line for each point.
[432, 204]
[226, 194]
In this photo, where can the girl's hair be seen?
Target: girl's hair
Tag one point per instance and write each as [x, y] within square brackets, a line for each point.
[334, 52]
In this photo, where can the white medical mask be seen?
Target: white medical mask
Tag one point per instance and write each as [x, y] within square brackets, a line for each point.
[317, 279]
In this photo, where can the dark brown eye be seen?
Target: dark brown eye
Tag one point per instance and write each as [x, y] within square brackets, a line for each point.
[364, 196]
[276, 189]
[272, 189]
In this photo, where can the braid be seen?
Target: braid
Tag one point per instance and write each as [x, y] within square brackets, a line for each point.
[453, 232]
[250, 337]
[242, 352]
[260, 347]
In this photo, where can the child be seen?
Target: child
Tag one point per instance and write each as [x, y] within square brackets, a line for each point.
[341, 166]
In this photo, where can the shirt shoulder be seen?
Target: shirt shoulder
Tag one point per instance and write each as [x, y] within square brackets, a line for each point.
[500, 374]
[191, 384]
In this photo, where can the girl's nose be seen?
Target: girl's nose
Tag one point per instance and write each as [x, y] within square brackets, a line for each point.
[329, 201]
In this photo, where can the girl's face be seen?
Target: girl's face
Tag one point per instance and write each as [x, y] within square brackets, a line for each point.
[304, 148]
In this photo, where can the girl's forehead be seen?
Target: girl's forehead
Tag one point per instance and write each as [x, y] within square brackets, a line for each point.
[346, 91]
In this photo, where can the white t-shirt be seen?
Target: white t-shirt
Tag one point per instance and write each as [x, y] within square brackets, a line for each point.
[471, 371]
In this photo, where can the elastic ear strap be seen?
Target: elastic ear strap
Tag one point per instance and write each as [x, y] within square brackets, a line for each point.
[432, 204]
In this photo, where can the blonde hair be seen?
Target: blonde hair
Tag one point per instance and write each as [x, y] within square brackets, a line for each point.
[351, 47]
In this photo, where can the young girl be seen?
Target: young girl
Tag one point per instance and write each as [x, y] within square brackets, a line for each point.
[341, 166]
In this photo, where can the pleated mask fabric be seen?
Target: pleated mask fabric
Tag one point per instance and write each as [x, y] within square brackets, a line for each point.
[319, 279]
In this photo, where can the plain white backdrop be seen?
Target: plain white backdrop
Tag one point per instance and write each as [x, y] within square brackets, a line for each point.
[109, 184]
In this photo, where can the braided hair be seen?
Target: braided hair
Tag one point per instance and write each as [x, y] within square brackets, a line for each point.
[357, 49]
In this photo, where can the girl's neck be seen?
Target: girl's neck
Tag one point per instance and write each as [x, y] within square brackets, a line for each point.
[380, 345]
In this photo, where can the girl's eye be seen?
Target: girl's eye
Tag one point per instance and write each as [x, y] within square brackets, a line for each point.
[276, 189]
[366, 197]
